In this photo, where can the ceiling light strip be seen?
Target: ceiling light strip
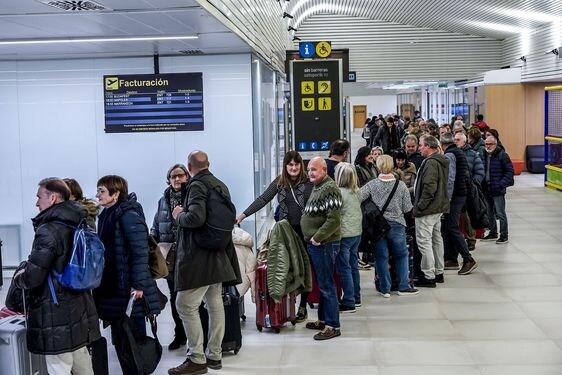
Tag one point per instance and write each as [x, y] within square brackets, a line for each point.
[93, 40]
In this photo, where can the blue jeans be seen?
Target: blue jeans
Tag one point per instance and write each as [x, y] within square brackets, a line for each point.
[323, 258]
[347, 268]
[395, 240]
[496, 210]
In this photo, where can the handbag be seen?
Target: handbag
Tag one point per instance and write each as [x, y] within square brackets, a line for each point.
[138, 353]
[375, 226]
[477, 206]
[156, 261]
[168, 250]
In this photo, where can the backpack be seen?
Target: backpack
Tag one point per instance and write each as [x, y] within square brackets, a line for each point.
[216, 233]
[84, 270]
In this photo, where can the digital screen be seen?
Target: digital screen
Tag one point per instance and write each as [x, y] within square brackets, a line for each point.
[153, 102]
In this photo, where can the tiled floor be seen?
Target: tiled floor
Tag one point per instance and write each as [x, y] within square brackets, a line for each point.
[504, 319]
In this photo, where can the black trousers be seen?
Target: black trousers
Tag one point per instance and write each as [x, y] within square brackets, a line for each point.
[179, 331]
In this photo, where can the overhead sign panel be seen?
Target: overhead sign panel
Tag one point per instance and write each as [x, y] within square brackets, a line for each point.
[321, 49]
[317, 111]
[153, 102]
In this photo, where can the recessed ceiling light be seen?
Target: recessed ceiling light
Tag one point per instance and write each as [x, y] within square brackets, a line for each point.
[93, 39]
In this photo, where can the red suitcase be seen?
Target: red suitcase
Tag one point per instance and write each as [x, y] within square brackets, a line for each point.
[314, 295]
[270, 314]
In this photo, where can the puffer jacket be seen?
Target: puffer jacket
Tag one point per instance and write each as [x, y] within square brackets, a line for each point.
[73, 323]
[288, 266]
[163, 228]
[408, 175]
[475, 164]
[123, 230]
[500, 175]
[243, 243]
[461, 171]
[479, 148]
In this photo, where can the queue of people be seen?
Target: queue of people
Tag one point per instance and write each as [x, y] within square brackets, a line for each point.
[321, 202]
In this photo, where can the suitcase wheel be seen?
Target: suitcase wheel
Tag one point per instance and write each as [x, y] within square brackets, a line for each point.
[259, 327]
[277, 329]
[311, 305]
[243, 317]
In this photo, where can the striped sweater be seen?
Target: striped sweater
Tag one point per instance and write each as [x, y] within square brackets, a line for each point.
[321, 219]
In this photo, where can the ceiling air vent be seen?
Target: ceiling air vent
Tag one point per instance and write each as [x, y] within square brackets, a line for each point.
[75, 6]
[191, 52]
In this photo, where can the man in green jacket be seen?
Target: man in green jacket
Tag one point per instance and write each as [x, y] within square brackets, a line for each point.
[321, 227]
[430, 202]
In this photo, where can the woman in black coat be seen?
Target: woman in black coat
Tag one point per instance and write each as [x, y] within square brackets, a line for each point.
[123, 230]
[164, 229]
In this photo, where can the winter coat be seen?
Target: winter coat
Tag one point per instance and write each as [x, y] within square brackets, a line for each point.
[124, 232]
[499, 172]
[163, 229]
[475, 164]
[365, 173]
[416, 158]
[197, 266]
[430, 193]
[461, 171]
[243, 243]
[387, 140]
[288, 266]
[479, 148]
[408, 175]
[73, 323]
[92, 212]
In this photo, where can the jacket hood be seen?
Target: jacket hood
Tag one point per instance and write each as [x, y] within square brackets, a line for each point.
[242, 238]
[440, 158]
[70, 212]
[91, 207]
[130, 204]
[411, 168]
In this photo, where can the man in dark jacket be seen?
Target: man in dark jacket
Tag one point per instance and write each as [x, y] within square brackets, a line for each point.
[59, 331]
[411, 147]
[454, 241]
[499, 175]
[200, 272]
[388, 136]
[430, 202]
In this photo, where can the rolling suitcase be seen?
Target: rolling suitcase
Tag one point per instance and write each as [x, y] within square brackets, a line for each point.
[270, 314]
[314, 295]
[14, 356]
[232, 340]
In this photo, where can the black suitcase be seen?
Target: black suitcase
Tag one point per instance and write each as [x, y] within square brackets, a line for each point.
[232, 340]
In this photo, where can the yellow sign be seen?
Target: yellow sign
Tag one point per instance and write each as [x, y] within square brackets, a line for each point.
[325, 104]
[308, 104]
[111, 83]
[324, 87]
[323, 49]
[307, 87]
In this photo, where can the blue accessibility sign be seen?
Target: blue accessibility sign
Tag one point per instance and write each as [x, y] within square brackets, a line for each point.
[302, 146]
[306, 49]
[314, 146]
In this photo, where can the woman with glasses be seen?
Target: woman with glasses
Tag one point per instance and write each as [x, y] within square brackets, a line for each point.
[164, 230]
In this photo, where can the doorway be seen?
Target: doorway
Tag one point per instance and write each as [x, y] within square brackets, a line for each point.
[359, 116]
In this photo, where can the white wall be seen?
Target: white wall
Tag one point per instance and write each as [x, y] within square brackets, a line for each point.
[376, 104]
[51, 118]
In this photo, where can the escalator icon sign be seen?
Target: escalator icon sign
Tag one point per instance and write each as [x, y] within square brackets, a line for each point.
[307, 104]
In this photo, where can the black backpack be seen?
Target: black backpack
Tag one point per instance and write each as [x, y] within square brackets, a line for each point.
[216, 233]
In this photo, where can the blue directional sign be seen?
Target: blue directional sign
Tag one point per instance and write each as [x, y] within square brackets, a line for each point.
[306, 49]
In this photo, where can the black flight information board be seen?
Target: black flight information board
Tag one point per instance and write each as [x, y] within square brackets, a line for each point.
[153, 102]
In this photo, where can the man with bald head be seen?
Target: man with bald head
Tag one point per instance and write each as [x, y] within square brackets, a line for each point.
[321, 227]
[203, 265]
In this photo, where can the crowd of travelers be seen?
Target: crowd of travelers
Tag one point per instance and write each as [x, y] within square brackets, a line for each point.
[416, 172]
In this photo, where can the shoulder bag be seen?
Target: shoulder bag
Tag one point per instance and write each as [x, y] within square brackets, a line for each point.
[375, 226]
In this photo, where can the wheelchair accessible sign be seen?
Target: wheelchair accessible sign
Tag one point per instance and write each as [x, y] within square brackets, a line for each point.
[315, 49]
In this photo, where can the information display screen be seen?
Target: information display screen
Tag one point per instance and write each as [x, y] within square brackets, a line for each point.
[153, 102]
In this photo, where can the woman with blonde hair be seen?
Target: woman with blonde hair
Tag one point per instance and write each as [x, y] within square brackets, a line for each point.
[380, 190]
[351, 217]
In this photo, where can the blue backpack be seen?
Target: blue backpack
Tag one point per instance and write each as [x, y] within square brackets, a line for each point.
[84, 270]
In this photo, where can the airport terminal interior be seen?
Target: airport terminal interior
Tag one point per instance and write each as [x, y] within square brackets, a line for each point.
[230, 77]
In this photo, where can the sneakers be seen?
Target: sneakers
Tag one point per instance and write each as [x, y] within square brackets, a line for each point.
[327, 333]
[385, 295]
[176, 343]
[440, 278]
[424, 282]
[358, 303]
[316, 325]
[214, 365]
[502, 239]
[189, 368]
[302, 315]
[408, 292]
[347, 309]
[364, 266]
[490, 237]
[468, 266]
[451, 265]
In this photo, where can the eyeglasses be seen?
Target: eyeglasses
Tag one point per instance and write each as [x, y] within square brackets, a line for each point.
[489, 144]
[174, 176]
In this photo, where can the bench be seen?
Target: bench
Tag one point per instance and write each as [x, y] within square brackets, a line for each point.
[534, 158]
